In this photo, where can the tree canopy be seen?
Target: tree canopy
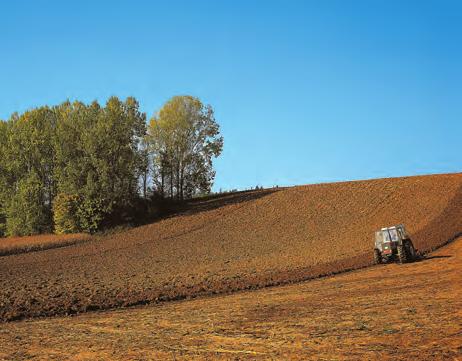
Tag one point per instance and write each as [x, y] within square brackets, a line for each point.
[79, 167]
[184, 138]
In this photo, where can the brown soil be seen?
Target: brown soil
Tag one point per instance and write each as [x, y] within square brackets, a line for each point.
[16, 245]
[386, 312]
[224, 244]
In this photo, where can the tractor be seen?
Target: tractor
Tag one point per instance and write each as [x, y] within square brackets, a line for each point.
[394, 243]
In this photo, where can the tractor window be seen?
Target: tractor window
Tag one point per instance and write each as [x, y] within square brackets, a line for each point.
[394, 235]
[386, 237]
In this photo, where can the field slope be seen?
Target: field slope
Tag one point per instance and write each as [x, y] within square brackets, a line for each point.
[240, 241]
[386, 312]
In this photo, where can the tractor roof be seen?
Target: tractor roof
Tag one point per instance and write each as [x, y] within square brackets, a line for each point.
[392, 227]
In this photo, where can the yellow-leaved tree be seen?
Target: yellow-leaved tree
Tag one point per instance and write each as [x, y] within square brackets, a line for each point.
[184, 138]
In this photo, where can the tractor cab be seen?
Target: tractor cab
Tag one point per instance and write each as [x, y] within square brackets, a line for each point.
[393, 242]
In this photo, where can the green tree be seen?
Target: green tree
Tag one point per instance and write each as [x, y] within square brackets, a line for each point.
[184, 138]
[81, 167]
[99, 157]
[27, 161]
[26, 213]
[3, 176]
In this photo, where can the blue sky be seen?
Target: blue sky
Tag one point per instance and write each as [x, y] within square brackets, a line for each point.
[304, 91]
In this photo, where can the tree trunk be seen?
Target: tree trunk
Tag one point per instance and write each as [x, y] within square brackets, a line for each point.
[178, 190]
[171, 183]
[182, 184]
[145, 184]
[162, 181]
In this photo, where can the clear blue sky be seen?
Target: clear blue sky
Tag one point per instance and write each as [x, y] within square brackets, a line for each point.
[304, 91]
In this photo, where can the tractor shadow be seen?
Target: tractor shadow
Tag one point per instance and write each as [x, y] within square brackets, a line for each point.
[429, 258]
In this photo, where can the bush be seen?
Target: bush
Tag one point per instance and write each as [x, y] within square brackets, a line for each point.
[25, 214]
[91, 213]
[65, 208]
[74, 213]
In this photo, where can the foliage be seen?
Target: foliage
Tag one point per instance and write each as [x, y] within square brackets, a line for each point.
[3, 176]
[2, 222]
[82, 167]
[26, 213]
[98, 157]
[91, 212]
[26, 181]
[65, 207]
[184, 137]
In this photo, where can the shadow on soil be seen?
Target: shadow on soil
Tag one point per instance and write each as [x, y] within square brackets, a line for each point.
[146, 211]
[428, 258]
[444, 229]
[209, 203]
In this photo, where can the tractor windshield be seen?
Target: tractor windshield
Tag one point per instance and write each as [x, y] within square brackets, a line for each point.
[386, 236]
[393, 235]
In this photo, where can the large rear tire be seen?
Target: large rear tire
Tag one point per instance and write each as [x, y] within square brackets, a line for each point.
[402, 253]
[411, 253]
[377, 256]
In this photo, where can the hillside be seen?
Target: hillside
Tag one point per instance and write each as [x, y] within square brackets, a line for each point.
[240, 241]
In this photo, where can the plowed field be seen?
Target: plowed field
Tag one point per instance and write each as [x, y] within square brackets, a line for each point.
[386, 312]
[239, 241]
[15, 245]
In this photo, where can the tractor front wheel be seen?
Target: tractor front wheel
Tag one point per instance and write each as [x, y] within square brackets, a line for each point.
[377, 256]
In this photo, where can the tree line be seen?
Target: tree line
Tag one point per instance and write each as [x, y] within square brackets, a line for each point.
[78, 167]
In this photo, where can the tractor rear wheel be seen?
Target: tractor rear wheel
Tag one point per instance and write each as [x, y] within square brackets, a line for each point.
[377, 256]
[410, 250]
[402, 253]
